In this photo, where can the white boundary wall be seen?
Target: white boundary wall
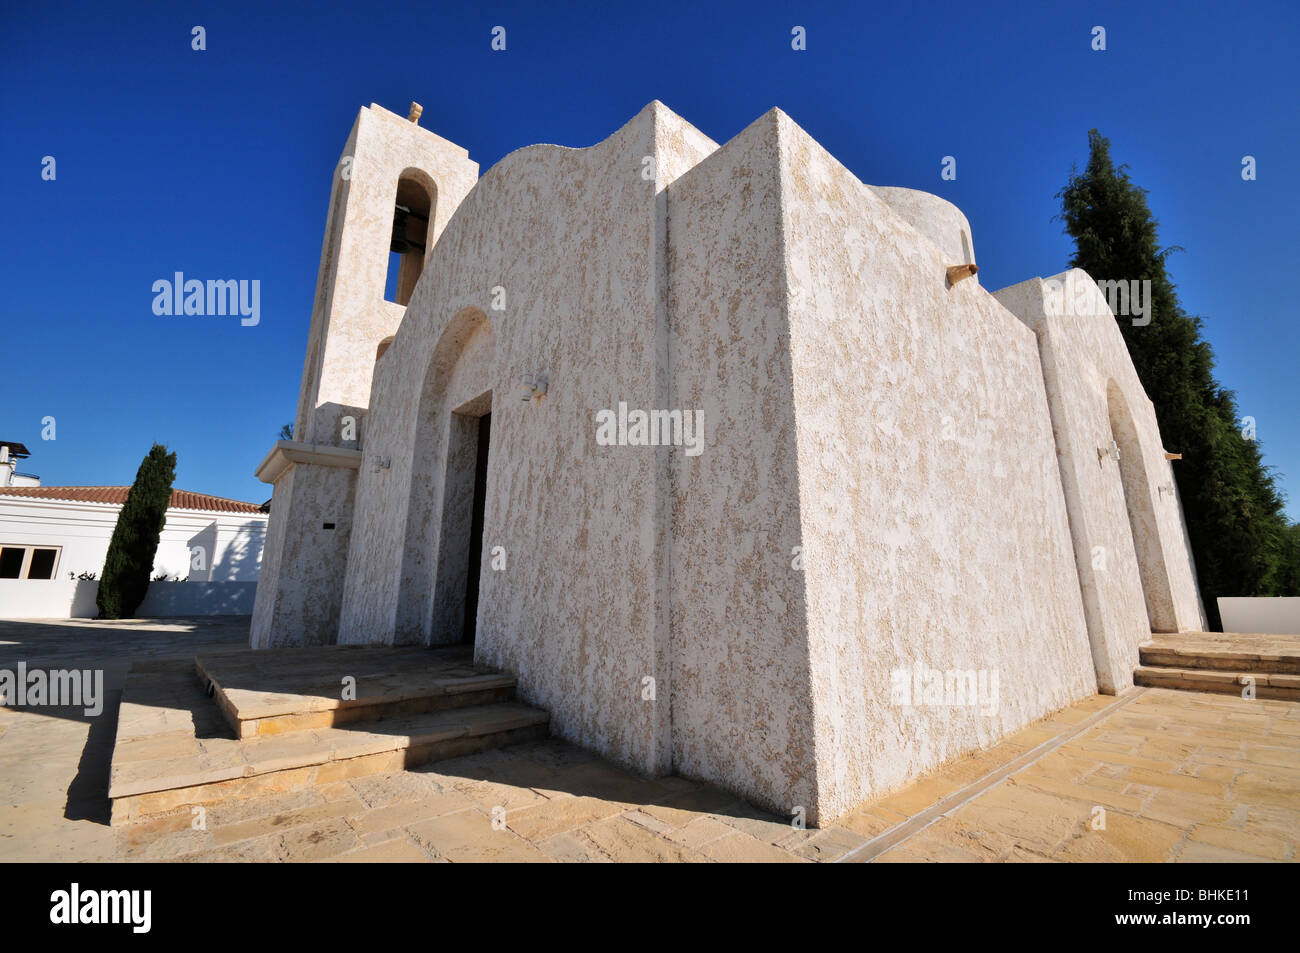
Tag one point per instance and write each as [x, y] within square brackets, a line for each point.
[1279, 615]
[75, 599]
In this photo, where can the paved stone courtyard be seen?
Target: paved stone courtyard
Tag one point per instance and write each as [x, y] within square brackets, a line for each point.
[1154, 775]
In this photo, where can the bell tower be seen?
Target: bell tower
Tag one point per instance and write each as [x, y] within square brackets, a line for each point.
[395, 187]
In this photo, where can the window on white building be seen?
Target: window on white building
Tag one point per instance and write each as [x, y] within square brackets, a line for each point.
[29, 562]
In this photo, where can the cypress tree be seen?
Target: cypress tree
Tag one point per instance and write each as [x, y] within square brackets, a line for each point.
[129, 562]
[1239, 535]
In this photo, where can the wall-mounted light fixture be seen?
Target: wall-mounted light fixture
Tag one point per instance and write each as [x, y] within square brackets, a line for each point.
[534, 386]
[1173, 456]
[1112, 451]
[381, 463]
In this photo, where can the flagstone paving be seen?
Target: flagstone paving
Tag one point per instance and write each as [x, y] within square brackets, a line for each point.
[1154, 775]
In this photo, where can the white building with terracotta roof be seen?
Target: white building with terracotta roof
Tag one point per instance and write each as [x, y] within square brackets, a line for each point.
[62, 532]
[53, 541]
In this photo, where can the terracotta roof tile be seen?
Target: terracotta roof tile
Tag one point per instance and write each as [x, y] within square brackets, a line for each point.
[181, 499]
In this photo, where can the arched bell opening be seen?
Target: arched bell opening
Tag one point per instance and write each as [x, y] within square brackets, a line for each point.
[408, 246]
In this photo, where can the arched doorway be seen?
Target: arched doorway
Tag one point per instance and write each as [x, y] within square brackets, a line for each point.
[1142, 520]
[462, 510]
[441, 566]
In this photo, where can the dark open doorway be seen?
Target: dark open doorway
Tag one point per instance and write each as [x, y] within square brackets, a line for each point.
[460, 538]
[476, 529]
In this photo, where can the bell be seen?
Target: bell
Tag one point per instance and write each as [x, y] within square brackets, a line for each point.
[400, 243]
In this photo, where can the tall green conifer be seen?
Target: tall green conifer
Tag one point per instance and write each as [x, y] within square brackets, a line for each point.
[1239, 535]
[129, 561]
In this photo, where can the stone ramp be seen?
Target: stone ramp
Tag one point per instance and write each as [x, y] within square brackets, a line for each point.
[280, 690]
[177, 747]
[1222, 662]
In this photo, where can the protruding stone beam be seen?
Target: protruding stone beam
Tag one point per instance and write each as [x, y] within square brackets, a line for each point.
[957, 272]
[285, 453]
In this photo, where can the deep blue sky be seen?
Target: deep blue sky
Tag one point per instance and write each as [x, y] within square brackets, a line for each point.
[219, 164]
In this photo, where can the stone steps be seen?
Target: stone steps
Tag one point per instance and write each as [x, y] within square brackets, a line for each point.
[1267, 685]
[1221, 662]
[273, 696]
[1228, 652]
[255, 727]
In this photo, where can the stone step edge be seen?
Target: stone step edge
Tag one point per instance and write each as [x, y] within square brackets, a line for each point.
[1275, 679]
[368, 664]
[1190, 657]
[1156, 658]
[1217, 678]
[314, 755]
[313, 704]
[309, 704]
[356, 718]
[132, 808]
[312, 652]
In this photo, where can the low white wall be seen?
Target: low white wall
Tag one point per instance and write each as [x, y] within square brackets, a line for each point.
[75, 599]
[47, 599]
[1279, 615]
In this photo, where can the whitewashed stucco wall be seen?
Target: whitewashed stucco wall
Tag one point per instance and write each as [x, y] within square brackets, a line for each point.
[574, 237]
[940, 221]
[741, 694]
[935, 525]
[1090, 379]
[300, 590]
[893, 428]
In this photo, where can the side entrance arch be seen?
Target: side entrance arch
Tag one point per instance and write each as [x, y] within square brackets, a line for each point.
[1141, 514]
[438, 594]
